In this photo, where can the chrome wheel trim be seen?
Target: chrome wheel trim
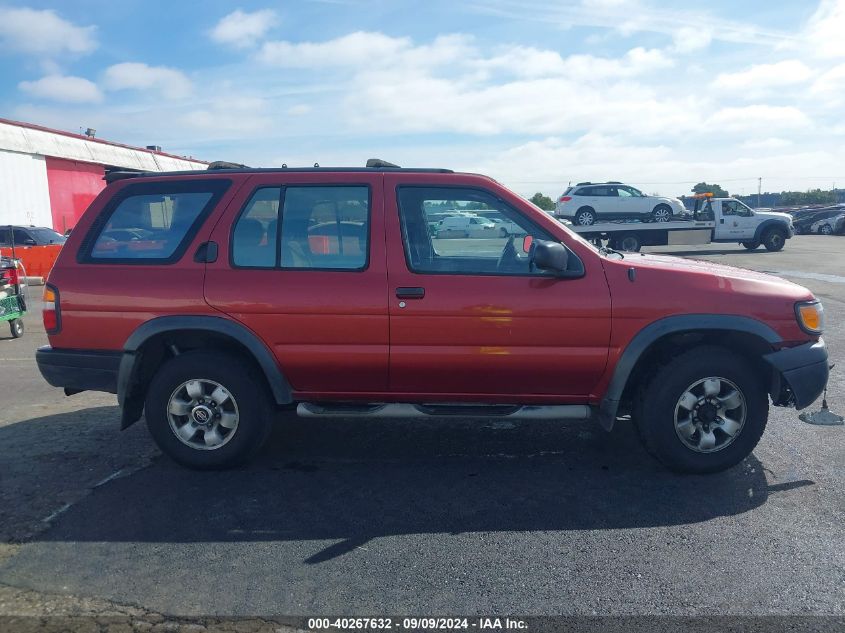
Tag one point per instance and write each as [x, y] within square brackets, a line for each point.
[662, 214]
[585, 218]
[825, 229]
[202, 414]
[710, 414]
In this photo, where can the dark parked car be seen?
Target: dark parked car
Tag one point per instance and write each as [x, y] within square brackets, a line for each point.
[803, 220]
[30, 236]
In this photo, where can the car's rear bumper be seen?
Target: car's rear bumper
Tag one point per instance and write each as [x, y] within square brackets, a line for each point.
[804, 368]
[79, 370]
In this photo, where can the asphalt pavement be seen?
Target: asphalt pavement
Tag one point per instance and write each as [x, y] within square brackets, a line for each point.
[393, 517]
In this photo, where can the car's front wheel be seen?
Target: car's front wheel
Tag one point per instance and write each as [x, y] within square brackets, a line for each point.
[826, 229]
[774, 239]
[208, 410]
[703, 411]
[661, 213]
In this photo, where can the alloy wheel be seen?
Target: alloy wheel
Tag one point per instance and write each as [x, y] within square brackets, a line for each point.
[710, 414]
[202, 414]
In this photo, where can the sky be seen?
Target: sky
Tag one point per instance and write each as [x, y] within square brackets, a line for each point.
[536, 93]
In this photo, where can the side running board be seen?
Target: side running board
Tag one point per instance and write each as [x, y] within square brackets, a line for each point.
[411, 411]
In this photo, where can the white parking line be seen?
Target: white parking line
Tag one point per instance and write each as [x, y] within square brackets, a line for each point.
[834, 279]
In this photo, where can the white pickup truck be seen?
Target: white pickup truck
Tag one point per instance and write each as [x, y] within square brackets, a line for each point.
[713, 220]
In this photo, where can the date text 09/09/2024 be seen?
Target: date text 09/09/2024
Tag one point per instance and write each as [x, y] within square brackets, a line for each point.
[417, 623]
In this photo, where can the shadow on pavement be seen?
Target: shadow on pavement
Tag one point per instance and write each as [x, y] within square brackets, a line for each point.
[356, 480]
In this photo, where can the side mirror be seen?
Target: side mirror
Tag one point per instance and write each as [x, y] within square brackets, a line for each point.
[550, 256]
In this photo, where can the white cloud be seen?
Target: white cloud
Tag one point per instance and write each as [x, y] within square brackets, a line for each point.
[688, 39]
[533, 62]
[754, 118]
[355, 49]
[169, 82]
[244, 29]
[230, 116]
[760, 78]
[824, 31]
[43, 32]
[63, 88]
[766, 143]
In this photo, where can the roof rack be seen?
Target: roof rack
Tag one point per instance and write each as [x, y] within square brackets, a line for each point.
[224, 167]
[581, 184]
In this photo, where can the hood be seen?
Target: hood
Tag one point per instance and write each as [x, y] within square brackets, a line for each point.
[719, 276]
[774, 215]
[662, 286]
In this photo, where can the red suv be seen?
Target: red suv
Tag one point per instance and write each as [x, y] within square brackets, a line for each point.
[209, 301]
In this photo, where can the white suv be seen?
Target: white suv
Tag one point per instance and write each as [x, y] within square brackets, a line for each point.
[587, 202]
[466, 226]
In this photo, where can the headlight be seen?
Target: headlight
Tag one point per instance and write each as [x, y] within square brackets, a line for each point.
[810, 315]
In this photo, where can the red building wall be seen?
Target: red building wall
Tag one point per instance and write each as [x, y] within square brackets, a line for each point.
[72, 185]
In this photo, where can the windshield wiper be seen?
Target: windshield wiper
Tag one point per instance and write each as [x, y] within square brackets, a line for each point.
[606, 250]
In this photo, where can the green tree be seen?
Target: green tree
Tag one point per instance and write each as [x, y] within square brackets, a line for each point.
[544, 202]
[715, 189]
[813, 196]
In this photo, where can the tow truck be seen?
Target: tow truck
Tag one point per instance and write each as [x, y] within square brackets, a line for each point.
[713, 219]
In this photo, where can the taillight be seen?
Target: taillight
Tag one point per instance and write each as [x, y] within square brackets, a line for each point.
[51, 314]
[564, 199]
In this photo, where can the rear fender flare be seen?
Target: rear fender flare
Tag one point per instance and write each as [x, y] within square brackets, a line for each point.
[126, 379]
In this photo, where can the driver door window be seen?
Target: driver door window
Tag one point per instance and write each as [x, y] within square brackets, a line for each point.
[464, 231]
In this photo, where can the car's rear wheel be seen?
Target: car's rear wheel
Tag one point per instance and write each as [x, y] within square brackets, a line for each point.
[586, 216]
[703, 411]
[661, 213]
[826, 229]
[208, 410]
[751, 245]
[774, 239]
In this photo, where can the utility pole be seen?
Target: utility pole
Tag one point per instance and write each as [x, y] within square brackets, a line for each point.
[759, 190]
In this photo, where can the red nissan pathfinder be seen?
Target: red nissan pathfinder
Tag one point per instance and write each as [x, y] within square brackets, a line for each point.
[207, 301]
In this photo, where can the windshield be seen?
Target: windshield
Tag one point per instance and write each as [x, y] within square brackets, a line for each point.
[47, 236]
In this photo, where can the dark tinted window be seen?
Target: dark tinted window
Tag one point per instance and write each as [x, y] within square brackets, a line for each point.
[325, 227]
[153, 222]
[254, 239]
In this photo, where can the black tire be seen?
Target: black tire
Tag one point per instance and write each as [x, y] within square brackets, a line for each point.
[585, 216]
[825, 229]
[247, 389]
[661, 213]
[774, 239]
[629, 243]
[656, 404]
[751, 245]
[16, 326]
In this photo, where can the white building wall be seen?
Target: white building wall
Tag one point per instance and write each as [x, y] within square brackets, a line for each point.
[24, 196]
[42, 142]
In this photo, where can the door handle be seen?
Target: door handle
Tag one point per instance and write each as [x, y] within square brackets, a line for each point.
[410, 293]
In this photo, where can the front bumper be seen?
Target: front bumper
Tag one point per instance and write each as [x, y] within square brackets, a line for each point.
[79, 370]
[804, 369]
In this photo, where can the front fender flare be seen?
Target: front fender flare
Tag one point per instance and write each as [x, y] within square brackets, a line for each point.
[657, 330]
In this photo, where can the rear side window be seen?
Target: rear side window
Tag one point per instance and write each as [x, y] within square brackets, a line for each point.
[151, 222]
[304, 227]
